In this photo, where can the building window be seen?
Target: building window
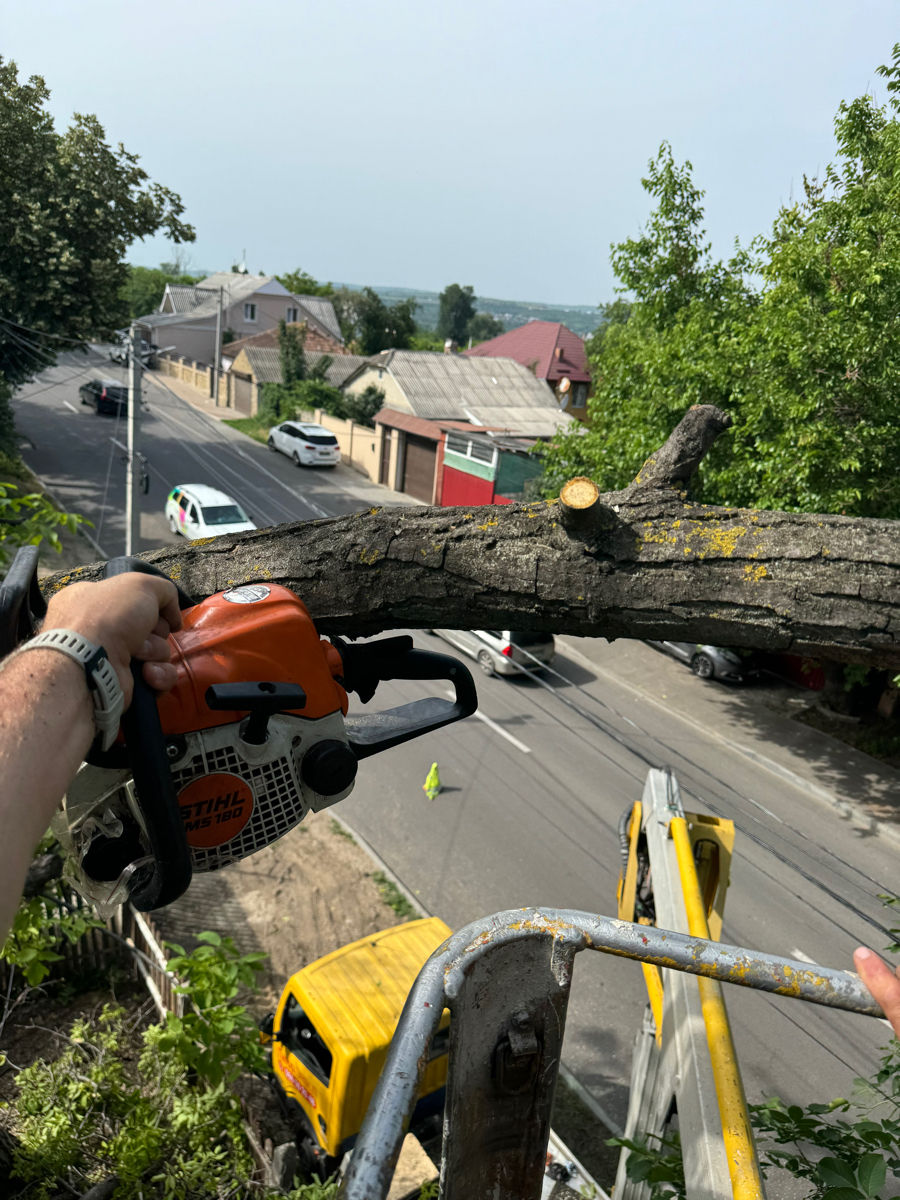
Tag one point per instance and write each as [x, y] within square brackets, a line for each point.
[292, 315]
[249, 312]
[478, 451]
[579, 395]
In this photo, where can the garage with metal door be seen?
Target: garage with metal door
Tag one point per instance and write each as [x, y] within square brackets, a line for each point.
[243, 394]
[418, 467]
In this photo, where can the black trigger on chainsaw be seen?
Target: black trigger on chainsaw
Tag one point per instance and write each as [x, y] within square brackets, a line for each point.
[367, 664]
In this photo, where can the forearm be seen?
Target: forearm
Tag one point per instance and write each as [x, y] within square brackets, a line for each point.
[46, 727]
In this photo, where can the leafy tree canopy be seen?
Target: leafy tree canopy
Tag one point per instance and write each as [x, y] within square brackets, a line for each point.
[144, 287]
[484, 326]
[795, 337]
[70, 206]
[299, 283]
[457, 308]
[370, 325]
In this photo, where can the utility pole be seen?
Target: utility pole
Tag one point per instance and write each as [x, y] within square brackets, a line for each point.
[132, 467]
[217, 355]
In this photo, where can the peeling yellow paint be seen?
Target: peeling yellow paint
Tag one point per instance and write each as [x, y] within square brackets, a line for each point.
[488, 523]
[370, 557]
[201, 542]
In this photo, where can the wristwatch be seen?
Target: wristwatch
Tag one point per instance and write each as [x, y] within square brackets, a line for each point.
[103, 682]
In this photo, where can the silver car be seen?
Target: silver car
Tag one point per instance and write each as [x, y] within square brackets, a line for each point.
[502, 651]
[708, 662]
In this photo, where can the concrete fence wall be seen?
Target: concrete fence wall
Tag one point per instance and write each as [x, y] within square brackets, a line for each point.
[360, 445]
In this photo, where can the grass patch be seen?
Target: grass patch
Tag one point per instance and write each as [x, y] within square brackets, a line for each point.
[251, 426]
[338, 829]
[394, 898]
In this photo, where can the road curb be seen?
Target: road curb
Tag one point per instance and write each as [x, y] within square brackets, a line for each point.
[845, 809]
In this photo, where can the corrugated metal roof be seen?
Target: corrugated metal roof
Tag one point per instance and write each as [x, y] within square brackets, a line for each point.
[321, 309]
[537, 343]
[395, 419]
[265, 362]
[185, 297]
[342, 366]
[449, 385]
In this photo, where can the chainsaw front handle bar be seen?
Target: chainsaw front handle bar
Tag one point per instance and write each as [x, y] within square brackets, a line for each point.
[375, 732]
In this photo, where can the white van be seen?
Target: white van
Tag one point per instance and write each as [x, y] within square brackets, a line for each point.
[198, 511]
[502, 651]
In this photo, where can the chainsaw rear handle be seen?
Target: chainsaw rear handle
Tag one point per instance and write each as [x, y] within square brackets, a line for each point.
[375, 732]
[21, 603]
[169, 876]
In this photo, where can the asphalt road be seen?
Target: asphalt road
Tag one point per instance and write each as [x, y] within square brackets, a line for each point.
[535, 784]
[81, 458]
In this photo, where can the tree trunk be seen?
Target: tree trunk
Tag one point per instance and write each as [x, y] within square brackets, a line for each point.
[641, 563]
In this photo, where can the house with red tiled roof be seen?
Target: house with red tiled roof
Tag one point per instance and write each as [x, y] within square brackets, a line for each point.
[553, 352]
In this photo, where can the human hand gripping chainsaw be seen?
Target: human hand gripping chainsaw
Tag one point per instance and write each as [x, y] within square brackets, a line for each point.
[253, 735]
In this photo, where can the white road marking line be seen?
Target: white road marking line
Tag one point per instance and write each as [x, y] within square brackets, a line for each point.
[497, 728]
[71, 406]
[767, 811]
[803, 957]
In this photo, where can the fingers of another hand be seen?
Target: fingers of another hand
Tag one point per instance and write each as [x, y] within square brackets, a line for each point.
[882, 982]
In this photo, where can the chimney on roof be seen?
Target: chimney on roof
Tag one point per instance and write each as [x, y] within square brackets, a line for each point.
[450, 346]
[558, 352]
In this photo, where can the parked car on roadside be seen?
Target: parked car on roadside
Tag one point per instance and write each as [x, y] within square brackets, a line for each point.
[106, 396]
[198, 511]
[307, 444]
[709, 662]
[502, 651]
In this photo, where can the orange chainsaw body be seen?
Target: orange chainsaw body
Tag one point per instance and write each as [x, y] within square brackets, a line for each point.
[270, 638]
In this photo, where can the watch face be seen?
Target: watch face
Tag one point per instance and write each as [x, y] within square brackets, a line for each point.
[249, 594]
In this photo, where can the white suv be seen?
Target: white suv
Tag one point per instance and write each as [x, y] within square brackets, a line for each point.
[199, 511]
[308, 445]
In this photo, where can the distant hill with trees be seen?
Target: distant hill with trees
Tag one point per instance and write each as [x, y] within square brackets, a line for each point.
[582, 319]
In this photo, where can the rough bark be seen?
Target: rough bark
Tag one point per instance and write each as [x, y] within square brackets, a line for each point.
[656, 566]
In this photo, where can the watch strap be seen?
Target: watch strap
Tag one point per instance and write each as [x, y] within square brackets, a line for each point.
[102, 680]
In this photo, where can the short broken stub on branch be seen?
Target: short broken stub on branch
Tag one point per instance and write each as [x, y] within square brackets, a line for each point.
[581, 510]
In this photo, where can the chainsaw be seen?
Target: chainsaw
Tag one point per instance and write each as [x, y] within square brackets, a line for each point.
[253, 736]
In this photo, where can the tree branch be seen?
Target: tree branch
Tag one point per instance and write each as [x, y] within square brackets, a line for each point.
[654, 565]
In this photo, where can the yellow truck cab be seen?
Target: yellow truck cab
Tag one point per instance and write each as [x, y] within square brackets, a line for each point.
[330, 1034]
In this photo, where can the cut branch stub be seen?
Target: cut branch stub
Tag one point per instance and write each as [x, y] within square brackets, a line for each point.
[678, 458]
[581, 510]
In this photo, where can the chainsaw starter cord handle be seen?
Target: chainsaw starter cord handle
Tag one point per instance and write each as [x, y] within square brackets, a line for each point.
[154, 791]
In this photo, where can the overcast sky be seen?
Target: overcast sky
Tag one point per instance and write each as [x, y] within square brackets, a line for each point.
[498, 143]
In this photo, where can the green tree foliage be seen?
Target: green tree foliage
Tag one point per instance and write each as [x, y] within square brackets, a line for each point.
[362, 406]
[484, 326]
[144, 287]
[794, 337]
[70, 206]
[283, 402]
[457, 308]
[170, 1126]
[369, 325]
[299, 283]
[28, 519]
[291, 340]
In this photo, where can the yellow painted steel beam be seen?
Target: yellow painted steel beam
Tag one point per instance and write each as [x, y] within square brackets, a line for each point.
[740, 1148]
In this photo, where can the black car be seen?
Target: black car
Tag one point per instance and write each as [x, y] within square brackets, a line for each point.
[106, 396]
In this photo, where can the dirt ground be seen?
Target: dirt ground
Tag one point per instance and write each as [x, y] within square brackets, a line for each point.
[301, 897]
